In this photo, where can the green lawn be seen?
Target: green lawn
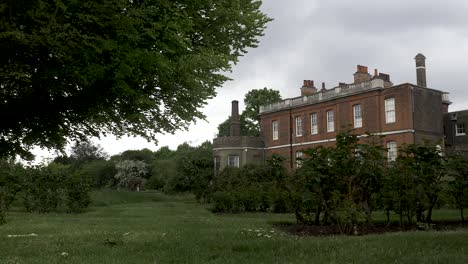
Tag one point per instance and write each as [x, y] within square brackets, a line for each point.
[153, 228]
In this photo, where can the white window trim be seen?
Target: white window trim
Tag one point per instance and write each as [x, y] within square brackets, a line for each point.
[275, 124]
[330, 123]
[314, 126]
[390, 118]
[357, 118]
[461, 133]
[298, 126]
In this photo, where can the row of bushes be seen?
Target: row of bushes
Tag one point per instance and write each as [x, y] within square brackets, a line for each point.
[42, 189]
[344, 184]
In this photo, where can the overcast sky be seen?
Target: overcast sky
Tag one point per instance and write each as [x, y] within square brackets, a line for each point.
[324, 41]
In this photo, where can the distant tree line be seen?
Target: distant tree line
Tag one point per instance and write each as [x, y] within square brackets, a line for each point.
[65, 183]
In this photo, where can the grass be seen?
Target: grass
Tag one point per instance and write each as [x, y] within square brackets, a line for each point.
[123, 227]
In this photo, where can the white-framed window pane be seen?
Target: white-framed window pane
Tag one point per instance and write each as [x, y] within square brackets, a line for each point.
[330, 121]
[298, 159]
[217, 163]
[390, 110]
[392, 150]
[460, 129]
[275, 130]
[357, 116]
[298, 126]
[233, 161]
[313, 124]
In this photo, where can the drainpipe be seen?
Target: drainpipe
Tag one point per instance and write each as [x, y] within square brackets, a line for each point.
[290, 140]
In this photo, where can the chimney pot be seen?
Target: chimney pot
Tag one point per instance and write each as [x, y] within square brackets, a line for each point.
[376, 72]
[323, 85]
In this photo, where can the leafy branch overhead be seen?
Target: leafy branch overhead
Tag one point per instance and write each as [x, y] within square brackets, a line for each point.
[71, 69]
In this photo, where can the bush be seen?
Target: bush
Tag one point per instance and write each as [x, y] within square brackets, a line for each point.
[130, 174]
[251, 188]
[77, 189]
[101, 172]
[43, 187]
[55, 187]
[9, 186]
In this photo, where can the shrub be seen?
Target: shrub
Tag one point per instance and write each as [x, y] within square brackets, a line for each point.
[53, 187]
[9, 186]
[77, 189]
[130, 173]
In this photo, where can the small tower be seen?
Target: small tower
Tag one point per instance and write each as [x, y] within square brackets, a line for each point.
[420, 70]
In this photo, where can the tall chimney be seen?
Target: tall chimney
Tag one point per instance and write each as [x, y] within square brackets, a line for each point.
[235, 123]
[421, 70]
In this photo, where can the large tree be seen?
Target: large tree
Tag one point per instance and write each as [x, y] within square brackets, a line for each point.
[249, 119]
[76, 68]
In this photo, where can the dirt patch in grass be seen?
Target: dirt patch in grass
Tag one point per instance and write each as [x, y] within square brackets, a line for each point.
[378, 228]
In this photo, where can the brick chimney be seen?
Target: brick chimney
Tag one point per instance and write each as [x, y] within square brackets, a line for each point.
[420, 70]
[308, 88]
[235, 123]
[362, 74]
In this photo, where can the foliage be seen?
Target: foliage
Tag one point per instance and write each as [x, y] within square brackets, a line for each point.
[162, 171]
[249, 119]
[458, 182]
[50, 188]
[341, 182]
[70, 69]
[145, 155]
[101, 172]
[77, 193]
[82, 152]
[250, 188]
[10, 175]
[194, 170]
[426, 167]
[131, 174]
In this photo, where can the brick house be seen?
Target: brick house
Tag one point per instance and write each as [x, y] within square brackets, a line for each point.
[456, 136]
[404, 113]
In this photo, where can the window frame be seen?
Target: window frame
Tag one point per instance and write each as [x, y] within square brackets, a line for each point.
[390, 110]
[460, 127]
[299, 127]
[357, 118]
[236, 163]
[275, 132]
[330, 123]
[314, 125]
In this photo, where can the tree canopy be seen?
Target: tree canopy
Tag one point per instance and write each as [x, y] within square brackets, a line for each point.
[76, 68]
[249, 119]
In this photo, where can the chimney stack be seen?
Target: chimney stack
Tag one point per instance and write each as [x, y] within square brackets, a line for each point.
[308, 88]
[361, 75]
[421, 70]
[235, 123]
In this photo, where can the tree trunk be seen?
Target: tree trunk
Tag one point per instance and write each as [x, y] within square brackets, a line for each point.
[432, 203]
[317, 215]
[388, 216]
[462, 217]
